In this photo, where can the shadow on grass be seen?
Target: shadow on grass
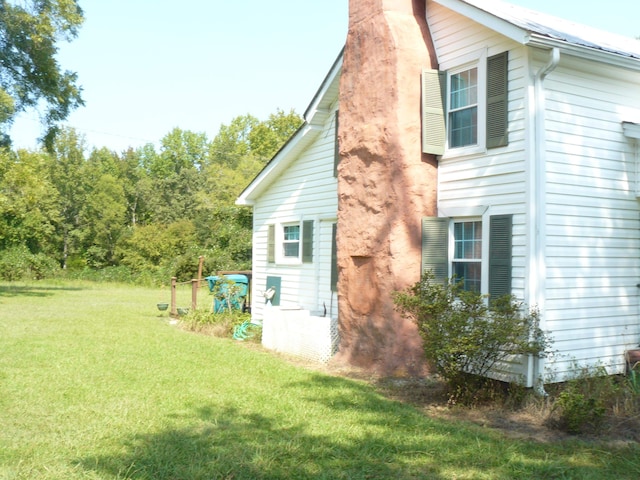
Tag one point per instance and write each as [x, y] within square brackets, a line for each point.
[8, 290]
[229, 444]
[387, 440]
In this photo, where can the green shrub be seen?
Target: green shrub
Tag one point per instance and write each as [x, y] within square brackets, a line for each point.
[463, 338]
[18, 263]
[578, 411]
[580, 404]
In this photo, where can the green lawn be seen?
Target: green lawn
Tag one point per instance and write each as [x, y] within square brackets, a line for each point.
[96, 384]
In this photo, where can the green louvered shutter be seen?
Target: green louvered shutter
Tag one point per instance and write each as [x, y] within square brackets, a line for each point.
[334, 259]
[271, 244]
[500, 240]
[497, 101]
[433, 124]
[307, 241]
[435, 247]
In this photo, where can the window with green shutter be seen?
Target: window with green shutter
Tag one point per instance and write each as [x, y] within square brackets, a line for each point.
[456, 117]
[466, 261]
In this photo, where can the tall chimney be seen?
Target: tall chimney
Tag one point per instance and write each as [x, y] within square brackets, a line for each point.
[385, 183]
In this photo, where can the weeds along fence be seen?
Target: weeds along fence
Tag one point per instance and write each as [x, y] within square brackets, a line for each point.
[184, 295]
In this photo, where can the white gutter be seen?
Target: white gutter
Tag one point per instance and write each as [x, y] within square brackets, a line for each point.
[589, 53]
[537, 201]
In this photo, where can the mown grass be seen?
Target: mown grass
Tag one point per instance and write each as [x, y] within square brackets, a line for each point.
[96, 384]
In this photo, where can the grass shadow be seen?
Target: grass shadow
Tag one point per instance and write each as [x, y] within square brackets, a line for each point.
[386, 439]
[9, 290]
[227, 443]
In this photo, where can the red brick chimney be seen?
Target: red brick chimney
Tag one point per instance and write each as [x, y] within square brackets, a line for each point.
[385, 183]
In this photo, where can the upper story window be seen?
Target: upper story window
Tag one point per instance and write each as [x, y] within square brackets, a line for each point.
[465, 108]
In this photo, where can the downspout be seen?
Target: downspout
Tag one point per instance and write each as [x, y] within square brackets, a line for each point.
[538, 204]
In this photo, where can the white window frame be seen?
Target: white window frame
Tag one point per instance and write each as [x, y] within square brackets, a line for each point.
[475, 60]
[484, 260]
[280, 243]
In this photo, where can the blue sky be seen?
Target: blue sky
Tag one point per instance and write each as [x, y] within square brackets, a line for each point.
[147, 66]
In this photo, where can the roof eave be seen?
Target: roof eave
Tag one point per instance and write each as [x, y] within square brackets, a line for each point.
[589, 53]
[504, 27]
[315, 117]
[317, 112]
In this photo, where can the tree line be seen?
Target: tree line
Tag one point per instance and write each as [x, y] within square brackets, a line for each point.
[146, 213]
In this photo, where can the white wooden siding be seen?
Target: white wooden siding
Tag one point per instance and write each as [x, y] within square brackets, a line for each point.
[498, 178]
[307, 190]
[593, 221]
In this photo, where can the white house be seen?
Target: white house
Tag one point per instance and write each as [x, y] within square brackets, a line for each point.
[294, 219]
[535, 122]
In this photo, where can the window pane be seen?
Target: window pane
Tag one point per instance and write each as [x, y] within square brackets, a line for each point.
[473, 86]
[463, 125]
[291, 249]
[469, 273]
[468, 240]
[464, 89]
[292, 232]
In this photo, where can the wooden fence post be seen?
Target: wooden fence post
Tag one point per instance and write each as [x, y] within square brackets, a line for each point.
[200, 265]
[174, 311]
[195, 284]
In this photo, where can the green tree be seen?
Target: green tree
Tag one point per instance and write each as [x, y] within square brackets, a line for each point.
[175, 175]
[183, 149]
[104, 213]
[238, 153]
[67, 170]
[28, 201]
[269, 136]
[151, 247]
[136, 184]
[30, 75]
[232, 141]
[247, 136]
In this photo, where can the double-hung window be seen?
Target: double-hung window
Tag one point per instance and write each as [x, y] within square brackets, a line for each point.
[291, 241]
[466, 264]
[477, 252]
[465, 107]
